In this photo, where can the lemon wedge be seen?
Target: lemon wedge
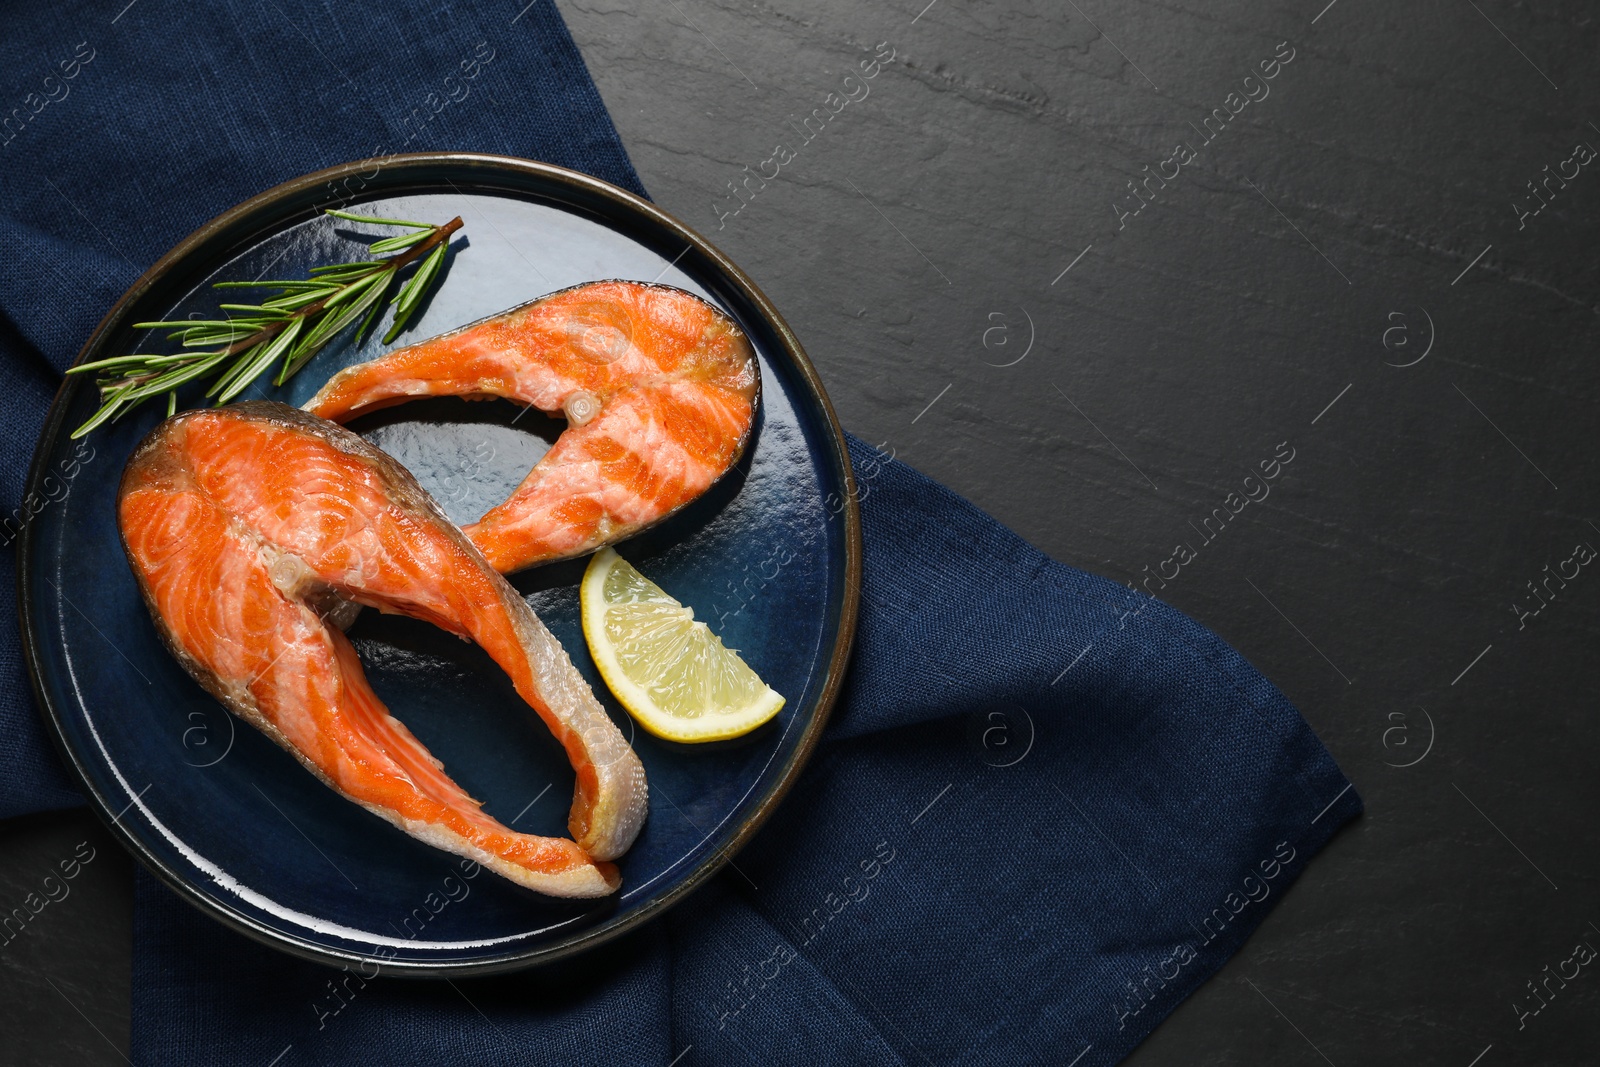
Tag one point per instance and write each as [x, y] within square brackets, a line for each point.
[667, 668]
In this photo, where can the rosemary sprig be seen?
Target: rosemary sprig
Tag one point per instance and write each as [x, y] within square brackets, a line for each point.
[297, 320]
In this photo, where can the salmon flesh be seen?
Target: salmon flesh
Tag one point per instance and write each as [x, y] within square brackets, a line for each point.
[251, 530]
[659, 389]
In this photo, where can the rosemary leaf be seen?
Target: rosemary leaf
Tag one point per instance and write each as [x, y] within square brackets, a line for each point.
[259, 359]
[395, 244]
[106, 412]
[325, 331]
[336, 268]
[106, 364]
[296, 301]
[375, 220]
[310, 283]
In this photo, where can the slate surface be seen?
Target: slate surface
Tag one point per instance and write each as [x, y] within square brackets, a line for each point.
[1342, 265]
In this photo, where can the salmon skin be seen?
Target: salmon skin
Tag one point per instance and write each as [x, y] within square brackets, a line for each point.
[251, 527]
[659, 389]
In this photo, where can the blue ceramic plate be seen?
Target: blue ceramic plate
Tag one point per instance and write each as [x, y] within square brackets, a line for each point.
[770, 557]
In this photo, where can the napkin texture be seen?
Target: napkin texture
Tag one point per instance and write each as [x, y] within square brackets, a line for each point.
[1046, 809]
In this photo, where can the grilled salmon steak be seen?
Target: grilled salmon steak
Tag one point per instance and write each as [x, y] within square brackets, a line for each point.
[659, 389]
[251, 530]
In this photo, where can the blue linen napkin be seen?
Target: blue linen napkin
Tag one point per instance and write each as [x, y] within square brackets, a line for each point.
[1046, 810]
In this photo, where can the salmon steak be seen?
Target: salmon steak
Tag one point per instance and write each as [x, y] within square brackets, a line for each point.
[658, 387]
[254, 530]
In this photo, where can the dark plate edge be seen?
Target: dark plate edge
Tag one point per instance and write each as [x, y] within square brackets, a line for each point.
[837, 662]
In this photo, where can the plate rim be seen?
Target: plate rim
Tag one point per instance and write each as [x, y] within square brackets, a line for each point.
[564, 948]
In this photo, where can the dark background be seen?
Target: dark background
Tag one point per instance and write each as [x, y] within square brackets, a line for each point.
[918, 246]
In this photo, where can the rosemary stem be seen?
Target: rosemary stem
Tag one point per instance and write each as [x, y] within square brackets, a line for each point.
[422, 248]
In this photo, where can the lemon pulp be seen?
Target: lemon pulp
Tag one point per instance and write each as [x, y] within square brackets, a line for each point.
[666, 667]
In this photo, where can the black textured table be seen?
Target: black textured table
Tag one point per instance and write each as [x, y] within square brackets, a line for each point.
[1286, 313]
